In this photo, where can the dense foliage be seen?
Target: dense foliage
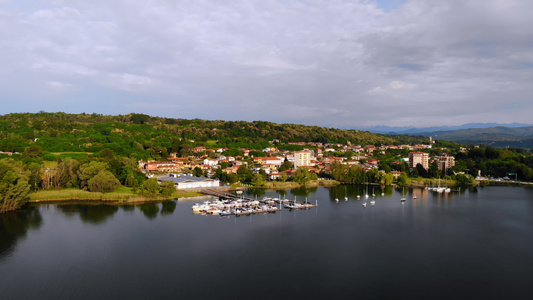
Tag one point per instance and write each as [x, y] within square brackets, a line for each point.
[14, 186]
[143, 136]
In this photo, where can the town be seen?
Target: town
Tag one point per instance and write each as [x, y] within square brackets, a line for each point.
[207, 167]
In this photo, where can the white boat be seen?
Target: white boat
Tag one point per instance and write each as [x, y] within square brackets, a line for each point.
[364, 203]
[345, 198]
[336, 199]
[372, 202]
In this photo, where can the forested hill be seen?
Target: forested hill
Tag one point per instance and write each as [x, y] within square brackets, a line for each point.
[148, 136]
[499, 136]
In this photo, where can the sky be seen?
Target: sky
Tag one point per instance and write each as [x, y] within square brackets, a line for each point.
[334, 63]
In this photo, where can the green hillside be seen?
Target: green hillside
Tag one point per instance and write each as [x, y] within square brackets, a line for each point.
[145, 136]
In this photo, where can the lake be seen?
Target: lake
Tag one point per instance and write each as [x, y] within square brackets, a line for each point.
[472, 244]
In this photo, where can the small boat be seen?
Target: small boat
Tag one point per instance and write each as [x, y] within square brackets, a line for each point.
[226, 212]
[414, 197]
[336, 199]
[358, 197]
[364, 203]
[372, 202]
[213, 211]
[402, 200]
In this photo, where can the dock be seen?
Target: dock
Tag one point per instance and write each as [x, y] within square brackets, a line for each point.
[230, 204]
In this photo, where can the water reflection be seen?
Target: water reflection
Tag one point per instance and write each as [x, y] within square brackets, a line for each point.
[15, 225]
[168, 207]
[98, 213]
[89, 213]
[149, 209]
[358, 191]
[128, 208]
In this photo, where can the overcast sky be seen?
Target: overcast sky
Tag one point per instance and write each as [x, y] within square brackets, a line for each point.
[329, 63]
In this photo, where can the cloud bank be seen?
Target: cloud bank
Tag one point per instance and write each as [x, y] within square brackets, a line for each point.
[330, 63]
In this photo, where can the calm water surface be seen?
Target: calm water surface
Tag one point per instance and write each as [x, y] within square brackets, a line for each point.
[476, 244]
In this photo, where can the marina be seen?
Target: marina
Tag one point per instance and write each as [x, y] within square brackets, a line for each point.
[229, 204]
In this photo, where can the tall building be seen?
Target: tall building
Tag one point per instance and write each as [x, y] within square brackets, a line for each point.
[416, 158]
[302, 158]
[445, 162]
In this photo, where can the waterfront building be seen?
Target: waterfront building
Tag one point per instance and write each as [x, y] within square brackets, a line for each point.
[190, 182]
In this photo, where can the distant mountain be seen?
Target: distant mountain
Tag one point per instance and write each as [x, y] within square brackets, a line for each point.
[413, 130]
[499, 136]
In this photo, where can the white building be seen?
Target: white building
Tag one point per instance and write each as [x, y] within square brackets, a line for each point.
[190, 182]
[302, 159]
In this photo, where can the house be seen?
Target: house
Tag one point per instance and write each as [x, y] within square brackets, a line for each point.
[190, 182]
[199, 149]
[396, 174]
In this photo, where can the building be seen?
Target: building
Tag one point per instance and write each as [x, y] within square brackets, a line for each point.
[190, 182]
[416, 158]
[445, 162]
[268, 161]
[302, 159]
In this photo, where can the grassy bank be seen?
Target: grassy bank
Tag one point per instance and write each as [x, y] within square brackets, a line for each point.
[122, 195]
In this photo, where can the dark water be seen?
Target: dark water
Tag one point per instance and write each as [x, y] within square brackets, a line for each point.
[471, 245]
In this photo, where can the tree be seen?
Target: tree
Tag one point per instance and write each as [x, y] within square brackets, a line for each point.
[32, 151]
[168, 188]
[14, 187]
[434, 170]
[286, 165]
[388, 179]
[107, 154]
[131, 181]
[67, 173]
[35, 175]
[245, 175]
[403, 179]
[462, 179]
[198, 172]
[283, 177]
[88, 171]
[421, 170]
[150, 188]
[103, 182]
[302, 176]
[258, 180]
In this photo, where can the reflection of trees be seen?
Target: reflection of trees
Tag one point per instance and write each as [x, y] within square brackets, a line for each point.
[282, 193]
[15, 225]
[93, 214]
[128, 208]
[255, 192]
[168, 207]
[149, 209]
[303, 191]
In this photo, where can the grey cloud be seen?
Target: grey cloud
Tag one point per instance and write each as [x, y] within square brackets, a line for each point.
[335, 63]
